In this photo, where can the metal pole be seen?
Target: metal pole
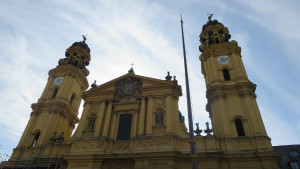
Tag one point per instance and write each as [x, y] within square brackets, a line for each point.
[191, 130]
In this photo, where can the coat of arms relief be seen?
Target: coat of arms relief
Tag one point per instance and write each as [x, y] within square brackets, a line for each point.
[128, 87]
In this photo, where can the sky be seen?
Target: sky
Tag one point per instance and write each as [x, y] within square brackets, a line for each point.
[35, 34]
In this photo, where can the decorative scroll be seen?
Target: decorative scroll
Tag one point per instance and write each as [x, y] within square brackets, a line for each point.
[87, 146]
[128, 87]
[153, 143]
[122, 147]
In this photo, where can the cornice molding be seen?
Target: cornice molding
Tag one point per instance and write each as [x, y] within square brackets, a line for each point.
[242, 89]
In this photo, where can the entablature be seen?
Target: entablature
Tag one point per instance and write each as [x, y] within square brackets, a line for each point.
[240, 88]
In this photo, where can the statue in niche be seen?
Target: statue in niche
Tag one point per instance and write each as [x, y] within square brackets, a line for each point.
[159, 119]
[91, 124]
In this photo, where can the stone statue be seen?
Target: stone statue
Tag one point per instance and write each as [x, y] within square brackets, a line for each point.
[209, 16]
[91, 124]
[168, 77]
[84, 37]
[159, 119]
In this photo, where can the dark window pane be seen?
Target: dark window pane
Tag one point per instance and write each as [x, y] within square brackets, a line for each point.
[72, 99]
[54, 93]
[36, 137]
[239, 127]
[226, 74]
[124, 129]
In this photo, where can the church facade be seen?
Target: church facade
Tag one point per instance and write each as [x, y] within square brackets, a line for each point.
[133, 122]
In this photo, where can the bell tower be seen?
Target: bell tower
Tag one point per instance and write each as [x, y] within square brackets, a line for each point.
[231, 95]
[57, 109]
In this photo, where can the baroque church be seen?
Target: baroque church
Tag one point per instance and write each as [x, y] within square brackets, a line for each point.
[133, 122]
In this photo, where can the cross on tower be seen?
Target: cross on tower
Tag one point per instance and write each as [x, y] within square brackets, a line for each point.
[132, 65]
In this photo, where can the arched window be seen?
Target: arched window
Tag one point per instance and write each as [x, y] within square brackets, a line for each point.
[226, 74]
[124, 129]
[54, 93]
[36, 137]
[239, 127]
[72, 99]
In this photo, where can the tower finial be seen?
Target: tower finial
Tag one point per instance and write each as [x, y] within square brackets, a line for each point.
[209, 16]
[131, 64]
[131, 71]
[84, 37]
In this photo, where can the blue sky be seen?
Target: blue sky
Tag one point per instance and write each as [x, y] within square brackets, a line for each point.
[35, 34]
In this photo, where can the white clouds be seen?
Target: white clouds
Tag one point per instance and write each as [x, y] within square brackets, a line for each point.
[121, 32]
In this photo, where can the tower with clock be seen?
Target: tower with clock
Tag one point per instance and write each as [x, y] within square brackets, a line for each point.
[231, 95]
[56, 111]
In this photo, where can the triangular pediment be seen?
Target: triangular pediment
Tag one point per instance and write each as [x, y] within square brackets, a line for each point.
[130, 85]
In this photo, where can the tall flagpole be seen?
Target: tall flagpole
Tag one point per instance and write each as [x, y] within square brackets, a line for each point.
[191, 130]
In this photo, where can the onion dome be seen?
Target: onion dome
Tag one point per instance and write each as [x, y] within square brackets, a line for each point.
[77, 55]
[213, 32]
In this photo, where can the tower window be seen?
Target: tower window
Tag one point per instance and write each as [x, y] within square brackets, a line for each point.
[36, 137]
[226, 74]
[239, 127]
[124, 129]
[54, 93]
[72, 99]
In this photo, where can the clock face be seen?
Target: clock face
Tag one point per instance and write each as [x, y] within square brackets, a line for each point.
[223, 59]
[58, 80]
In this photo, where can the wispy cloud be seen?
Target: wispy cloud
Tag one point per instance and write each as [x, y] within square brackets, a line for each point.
[144, 32]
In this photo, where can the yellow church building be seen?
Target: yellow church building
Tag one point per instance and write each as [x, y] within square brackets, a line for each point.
[133, 122]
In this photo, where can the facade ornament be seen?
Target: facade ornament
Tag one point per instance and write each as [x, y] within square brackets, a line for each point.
[128, 87]
[198, 131]
[77, 55]
[174, 80]
[94, 84]
[209, 16]
[91, 124]
[208, 131]
[53, 138]
[168, 77]
[61, 138]
[159, 119]
[84, 37]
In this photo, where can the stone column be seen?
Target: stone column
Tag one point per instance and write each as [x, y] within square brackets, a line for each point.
[141, 125]
[98, 124]
[113, 124]
[169, 114]
[81, 124]
[107, 121]
[149, 117]
[135, 123]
